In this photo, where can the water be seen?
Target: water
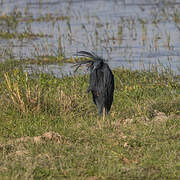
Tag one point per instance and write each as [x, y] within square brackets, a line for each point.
[133, 34]
[55, 70]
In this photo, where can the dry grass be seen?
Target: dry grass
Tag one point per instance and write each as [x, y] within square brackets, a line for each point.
[24, 99]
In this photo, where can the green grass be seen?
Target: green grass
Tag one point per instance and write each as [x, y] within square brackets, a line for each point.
[139, 139]
[59, 59]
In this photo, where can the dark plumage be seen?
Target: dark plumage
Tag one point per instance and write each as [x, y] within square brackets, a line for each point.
[101, 83]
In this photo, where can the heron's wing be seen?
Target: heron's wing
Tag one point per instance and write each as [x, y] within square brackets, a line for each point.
[108, 87]
[108, 78]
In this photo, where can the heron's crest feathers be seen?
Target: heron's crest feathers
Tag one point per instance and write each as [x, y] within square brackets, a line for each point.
[89, 55]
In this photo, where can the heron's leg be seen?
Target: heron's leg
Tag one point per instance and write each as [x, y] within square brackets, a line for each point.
[106, 111]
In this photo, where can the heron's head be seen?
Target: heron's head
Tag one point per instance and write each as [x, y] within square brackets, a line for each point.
[96, 65]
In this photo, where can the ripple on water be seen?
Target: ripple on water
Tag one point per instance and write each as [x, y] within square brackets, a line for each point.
[128, 33]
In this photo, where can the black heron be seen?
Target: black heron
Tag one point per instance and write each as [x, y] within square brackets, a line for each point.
[101, 83]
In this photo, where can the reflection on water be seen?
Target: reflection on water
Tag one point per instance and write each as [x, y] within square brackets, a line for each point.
[129, 33]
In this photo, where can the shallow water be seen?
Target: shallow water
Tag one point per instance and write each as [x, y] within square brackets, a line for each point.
[133, 34]
[56, 70]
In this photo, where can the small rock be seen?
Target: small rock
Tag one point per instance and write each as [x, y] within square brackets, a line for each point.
[160, 117]
[128, 121]
[20, 153]
[37, 139]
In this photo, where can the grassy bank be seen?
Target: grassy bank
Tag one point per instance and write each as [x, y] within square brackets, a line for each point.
[49, 127]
